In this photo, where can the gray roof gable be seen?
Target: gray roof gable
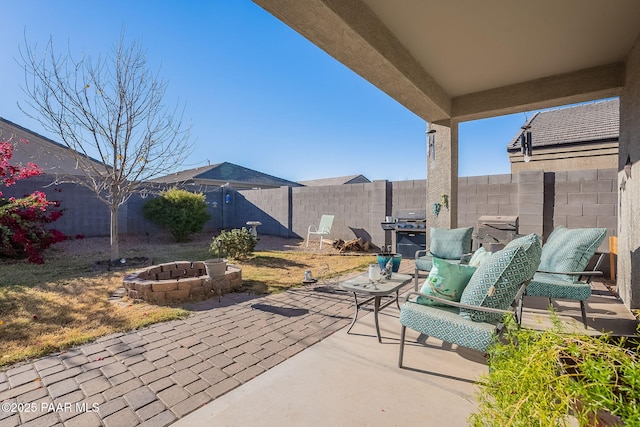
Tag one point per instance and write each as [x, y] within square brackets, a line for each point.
[51, 156]
[227, 172]
[340, 180]
[594, 122]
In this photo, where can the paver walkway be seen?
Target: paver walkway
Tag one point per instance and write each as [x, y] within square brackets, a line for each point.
[158, 374]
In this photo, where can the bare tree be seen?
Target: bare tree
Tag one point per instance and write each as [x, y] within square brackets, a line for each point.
[110, 108]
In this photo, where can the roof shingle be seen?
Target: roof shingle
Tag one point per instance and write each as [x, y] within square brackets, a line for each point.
[598, 121]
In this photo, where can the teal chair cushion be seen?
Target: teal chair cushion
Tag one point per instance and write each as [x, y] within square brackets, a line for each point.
[496, 282]
[445, 281]
[554, 286]
[424, 263]
[445, 323]
[570, 249]
[450, 244]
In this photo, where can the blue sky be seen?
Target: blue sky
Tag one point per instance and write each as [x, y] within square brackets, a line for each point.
[257, 93]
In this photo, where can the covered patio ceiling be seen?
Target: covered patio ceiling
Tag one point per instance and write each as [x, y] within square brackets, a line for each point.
[465, 59]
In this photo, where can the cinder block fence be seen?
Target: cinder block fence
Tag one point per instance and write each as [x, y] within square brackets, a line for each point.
[541, 200]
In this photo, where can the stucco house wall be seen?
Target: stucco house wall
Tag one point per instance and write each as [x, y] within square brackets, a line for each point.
[628, 186]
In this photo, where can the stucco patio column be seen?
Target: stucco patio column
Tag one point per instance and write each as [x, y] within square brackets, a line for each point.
[628, 269]
[442, 174]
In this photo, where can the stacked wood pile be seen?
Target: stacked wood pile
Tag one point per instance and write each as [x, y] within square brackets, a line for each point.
[353, 245]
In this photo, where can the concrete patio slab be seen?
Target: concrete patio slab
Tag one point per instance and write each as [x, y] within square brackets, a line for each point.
[351, 379]
[605, 313]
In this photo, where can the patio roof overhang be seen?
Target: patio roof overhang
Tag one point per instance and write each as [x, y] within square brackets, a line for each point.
[467, 60]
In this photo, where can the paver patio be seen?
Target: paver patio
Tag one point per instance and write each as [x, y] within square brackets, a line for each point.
[158, 374]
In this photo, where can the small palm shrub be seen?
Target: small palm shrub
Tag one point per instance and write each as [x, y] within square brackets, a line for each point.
[236, 243]
[179, 211]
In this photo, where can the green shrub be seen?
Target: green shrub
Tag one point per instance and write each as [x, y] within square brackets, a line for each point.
[543, 378]
[237, 243]
[179, 211]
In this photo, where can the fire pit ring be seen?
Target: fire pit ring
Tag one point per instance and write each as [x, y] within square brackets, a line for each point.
[179, 281]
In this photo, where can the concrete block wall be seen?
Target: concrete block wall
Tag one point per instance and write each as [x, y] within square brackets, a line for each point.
[83, 213]
[215, 202]
[409, 194]
[587, 199]
[358, 209]
[136, 222]
[486, 195]
[531, 202]
[541, 200]
[271, 207]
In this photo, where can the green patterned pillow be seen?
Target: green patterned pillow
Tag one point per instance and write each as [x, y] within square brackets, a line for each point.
[532, 244]
[445, 281]
[496, 282]
[569, 249]
[519, 241]
[479, 257]
[450, 244]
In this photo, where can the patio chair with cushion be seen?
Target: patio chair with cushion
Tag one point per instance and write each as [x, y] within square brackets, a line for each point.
[494, 290]
[565, 256]
[326, 222]
[452, 246]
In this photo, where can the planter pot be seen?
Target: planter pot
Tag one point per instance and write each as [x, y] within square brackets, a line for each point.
[383, 259]
[215, 267]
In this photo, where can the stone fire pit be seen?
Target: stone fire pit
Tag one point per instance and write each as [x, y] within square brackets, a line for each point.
[179, 281]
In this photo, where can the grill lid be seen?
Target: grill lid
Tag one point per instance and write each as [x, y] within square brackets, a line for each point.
[497, 228]
[411, 215]
[499, 222]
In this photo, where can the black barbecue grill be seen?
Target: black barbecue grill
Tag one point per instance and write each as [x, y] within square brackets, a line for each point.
[410, 229]
[495, 231]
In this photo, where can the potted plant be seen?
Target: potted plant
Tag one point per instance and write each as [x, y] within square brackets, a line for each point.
[216, 267]
[383, 258]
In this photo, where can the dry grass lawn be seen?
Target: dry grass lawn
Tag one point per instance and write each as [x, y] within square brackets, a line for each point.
[274, 271]
[47, 308]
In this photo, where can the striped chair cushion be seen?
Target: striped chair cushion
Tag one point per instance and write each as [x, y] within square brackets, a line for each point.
[450, 244]
[570, 249]
[425, 263]
[554, 286]
[446, 324]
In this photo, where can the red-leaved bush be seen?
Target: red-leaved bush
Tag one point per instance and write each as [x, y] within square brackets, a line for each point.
[23, 232]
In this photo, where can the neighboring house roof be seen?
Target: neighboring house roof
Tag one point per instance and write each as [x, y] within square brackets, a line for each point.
[587, 123]
[225, 173]
[351, 179]
[51, 156]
